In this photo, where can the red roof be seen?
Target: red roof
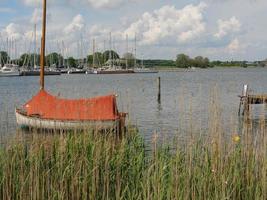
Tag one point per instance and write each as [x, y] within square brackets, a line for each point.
[47, 106]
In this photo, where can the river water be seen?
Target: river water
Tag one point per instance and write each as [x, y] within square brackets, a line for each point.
[186, 95]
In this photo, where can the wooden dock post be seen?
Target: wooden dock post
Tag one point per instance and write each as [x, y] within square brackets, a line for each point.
[159, 90]
[243, 100]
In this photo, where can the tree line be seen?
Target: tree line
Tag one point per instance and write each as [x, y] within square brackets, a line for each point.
[99, 59]
[184, 61]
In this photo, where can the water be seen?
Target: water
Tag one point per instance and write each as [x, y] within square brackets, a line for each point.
[186, 96]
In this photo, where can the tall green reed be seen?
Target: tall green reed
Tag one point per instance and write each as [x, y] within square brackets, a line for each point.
[97, 166]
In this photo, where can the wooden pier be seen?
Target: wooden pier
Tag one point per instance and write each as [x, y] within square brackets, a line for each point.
[257, 99]
[246, 100]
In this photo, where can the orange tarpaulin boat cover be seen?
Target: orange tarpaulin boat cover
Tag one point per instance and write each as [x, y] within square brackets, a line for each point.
[47, 106]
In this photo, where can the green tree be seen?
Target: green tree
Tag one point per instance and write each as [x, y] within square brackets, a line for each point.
[28, 60]
[244, 64]
[4, 57]
[99, 59]
[216, 63]
[183, 61]
[72, 62]
[262, 63]
[54, 59]
[201, 62]
[106, 55]
[128, 60]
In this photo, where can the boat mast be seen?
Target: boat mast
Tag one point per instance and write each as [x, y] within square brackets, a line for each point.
[63, 53]
[142, 62]
[93, 53]
[110, 53]
[7, 47]
[43, 47]
[82, 59]
[35, 42]
[104, 55]
[58, 55]
[126, 51]
[135, 54]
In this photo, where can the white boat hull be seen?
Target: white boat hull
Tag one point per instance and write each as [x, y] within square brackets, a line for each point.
[9, 70]
[38, 123]
[9, 73]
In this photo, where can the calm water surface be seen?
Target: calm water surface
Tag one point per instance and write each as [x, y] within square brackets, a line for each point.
[186, 96]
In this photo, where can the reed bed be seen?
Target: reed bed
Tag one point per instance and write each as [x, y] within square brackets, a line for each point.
[101, 166]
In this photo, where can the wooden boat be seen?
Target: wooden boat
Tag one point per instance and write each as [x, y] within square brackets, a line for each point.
[45, 111]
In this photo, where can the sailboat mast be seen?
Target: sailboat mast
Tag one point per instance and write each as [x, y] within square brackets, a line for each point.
[42, 64]
[7, 50]
[110, 51]
[104, 55]
[135, 54]
[63, 53]
[35, 42]
[93, 53]
[127, 51]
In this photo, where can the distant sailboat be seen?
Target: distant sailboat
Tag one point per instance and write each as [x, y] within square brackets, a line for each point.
[112, 67]
[32, 69]
[9, 70]
[45, 111]
[141, 69]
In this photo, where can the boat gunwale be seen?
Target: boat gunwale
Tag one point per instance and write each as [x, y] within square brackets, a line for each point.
[23, 113]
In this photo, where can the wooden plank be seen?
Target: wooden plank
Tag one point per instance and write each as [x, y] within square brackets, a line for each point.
[257, 99]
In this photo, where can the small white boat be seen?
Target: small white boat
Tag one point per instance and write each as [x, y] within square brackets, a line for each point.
[76, 71]
[9, 70]
[113, 70]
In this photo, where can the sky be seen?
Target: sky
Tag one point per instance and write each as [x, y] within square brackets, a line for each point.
[217, 29]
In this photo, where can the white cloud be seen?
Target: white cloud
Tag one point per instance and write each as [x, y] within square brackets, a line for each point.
[234, 45]
[99, 30]
[109, 3]
[32, 2]
[77, 24]
[169, 23]
[98, 4]
[105, 3]
[13, 31]
[37, 3]
[227, 26]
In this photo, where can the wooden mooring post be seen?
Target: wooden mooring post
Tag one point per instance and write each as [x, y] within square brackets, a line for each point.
[159, 90]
